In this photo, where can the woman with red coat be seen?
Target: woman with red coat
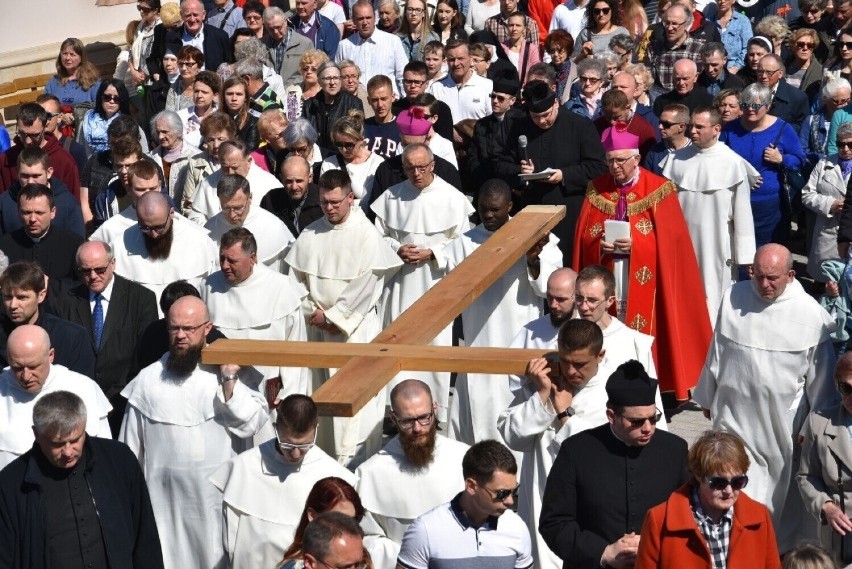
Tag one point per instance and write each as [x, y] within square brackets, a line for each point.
[709, 523]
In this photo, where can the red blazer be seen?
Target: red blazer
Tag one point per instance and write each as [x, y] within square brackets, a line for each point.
[671, 538]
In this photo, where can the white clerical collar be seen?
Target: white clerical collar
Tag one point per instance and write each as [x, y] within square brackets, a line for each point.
[40, 237]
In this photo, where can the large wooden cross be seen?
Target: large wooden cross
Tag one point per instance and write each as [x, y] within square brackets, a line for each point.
[365, 369]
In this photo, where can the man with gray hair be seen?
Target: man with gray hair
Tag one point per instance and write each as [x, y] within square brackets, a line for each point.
[73, 500]
[676, 44]
[261, 95]
[684, 92]
[418, 218]
[171, 154]
[321, 31]
[238, 210]
[788, 103]
[30, 376]
[285, 47]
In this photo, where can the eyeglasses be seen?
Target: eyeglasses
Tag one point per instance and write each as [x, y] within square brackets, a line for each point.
[767, 72]
[299, 149]
[600, 11]
[185, 329]
[812, 11]
[414, 10]
[752, 107]
[419, 168]
[359, 565]
[408, 423]
[413, 82]
[614, 161]
[498, 97]
[252, 18]
[97, 270]
[346, 145]
[235, 210]
[187, 63]
[353, 76]
[845, 44]
[153, 228]
[332, 203]
[290, 447]
[669, 124]
[593, 302]
[673, 24]
[31, 135]
[844, 145]
[720, 482]
[333, 78]
[590, 79]
[805, 45]
[501, 495]
[640, 421]
[143, 10]
[844, 389]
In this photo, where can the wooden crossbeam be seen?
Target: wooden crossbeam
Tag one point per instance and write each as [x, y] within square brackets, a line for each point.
[335, 355]
[362, 375]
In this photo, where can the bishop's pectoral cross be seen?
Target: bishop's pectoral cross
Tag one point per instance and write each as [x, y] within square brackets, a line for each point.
[365, 369]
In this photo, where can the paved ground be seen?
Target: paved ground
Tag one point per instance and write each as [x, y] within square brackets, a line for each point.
[687, 421]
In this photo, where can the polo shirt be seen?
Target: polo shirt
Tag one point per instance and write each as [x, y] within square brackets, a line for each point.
[471, 101]
[443, 538]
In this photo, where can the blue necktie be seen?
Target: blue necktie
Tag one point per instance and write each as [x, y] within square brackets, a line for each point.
[98, 320]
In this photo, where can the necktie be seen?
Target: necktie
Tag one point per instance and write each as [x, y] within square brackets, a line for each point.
[98, 320]
[846, 167]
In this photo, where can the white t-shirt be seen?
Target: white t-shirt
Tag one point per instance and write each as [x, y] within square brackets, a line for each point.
[333, 12]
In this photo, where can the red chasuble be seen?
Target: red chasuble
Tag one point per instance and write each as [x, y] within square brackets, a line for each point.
[665, 295]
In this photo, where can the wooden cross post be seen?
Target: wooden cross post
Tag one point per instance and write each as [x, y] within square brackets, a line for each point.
[364, 369]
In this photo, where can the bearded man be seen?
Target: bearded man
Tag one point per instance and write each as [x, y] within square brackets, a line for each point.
[425, 468]
[183, 421]
[163, 247]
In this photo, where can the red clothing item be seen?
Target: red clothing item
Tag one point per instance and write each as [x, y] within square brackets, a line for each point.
[671, 538]
[541, 11]
[638, 126]
[64, 167]
[665, 296]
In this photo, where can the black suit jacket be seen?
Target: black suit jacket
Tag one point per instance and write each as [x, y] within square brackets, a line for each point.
[789, 104]
[277, 201]
[132, 308]
[216, 47]
[600, 489]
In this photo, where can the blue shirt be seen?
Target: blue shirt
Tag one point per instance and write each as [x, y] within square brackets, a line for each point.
[71, 93]
[735, 37]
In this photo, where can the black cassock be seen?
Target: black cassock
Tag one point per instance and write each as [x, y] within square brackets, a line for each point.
[600, 489]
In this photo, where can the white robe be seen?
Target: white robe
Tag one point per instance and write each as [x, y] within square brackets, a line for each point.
[769, 365]
[193, 256]
[113, 228]
[714, 190]
[16, 408]
[182, 431]
[530, 427]
[429, 218]
[272, 235]
[205, 203]
[265, 306]
[387, 483]
[492, 321]
[345, 268]
[263, 497]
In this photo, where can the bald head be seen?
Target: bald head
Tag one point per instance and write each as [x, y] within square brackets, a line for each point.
[29, 355]
[685, 75]
[772, 271]
[189, 308]
[626, 83]
[29, 337]
[152, 203]
[560, 295]
[409, 390]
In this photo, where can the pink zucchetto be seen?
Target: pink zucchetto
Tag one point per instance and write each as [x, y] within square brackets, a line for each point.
[614, 138]
[411, 122]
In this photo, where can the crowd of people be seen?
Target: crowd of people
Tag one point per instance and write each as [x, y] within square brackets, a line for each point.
[263, 170]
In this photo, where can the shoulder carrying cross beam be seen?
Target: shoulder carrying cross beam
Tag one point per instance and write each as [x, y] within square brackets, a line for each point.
[367, 368]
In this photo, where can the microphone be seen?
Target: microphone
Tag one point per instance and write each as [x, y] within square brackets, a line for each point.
[522, 147]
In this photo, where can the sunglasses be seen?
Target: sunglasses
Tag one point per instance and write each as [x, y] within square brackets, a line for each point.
[668, 124]
[805, 45]
[845, 44]
[143, 10]
[501, 495]
[111, 98]
[590, 79]
[499, 98]
[97, 270]
[752, 107]
[346, 145]
[640, 421]
[600, 11]
[813, 11]
[844, 388]
[720, 482]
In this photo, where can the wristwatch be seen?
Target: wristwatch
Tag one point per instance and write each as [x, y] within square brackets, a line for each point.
[569, 412]
[231, 377]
